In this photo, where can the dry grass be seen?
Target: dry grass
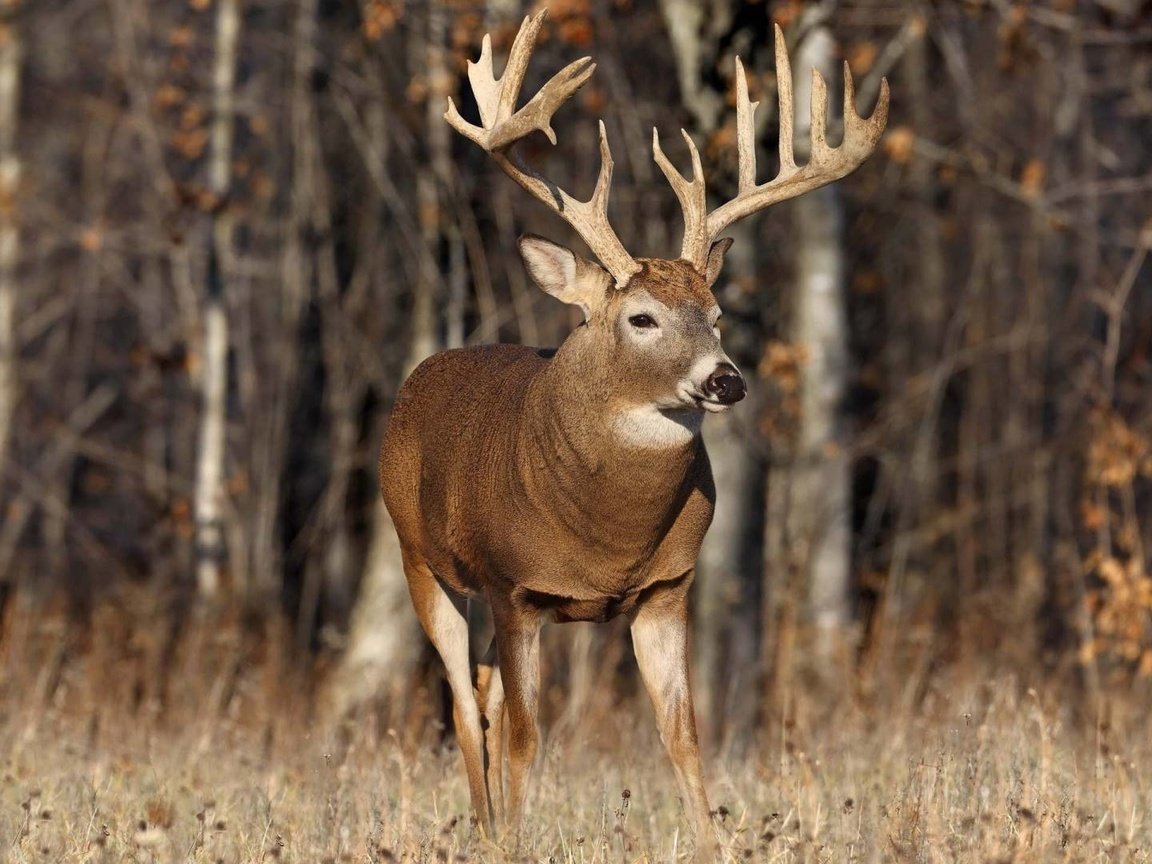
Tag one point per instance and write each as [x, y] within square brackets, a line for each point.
[126, 738]
[995, 774]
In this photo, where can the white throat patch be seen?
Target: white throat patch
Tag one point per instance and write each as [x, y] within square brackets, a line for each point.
[648, 426]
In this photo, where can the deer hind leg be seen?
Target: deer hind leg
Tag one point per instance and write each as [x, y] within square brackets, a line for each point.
[443, 616]
[660, 640]
[518, 650]
[490, 696]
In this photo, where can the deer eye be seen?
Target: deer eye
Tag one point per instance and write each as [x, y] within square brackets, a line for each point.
[642, 322]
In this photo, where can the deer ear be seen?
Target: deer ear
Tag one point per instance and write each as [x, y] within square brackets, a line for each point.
[564, 274]
[716, 259]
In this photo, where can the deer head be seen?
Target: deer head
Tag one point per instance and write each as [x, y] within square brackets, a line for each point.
[652, 348]
[655, 318]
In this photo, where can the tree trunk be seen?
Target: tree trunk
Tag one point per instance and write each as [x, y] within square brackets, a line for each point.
[269, 447]
[209, 492]
[694, 28]
[819, 482]
[9, 230]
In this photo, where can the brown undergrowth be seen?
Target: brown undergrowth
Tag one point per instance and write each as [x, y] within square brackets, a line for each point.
[126, 742]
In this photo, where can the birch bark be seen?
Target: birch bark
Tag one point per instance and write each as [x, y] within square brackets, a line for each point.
[209, 491]
[10, 55]
[820, 482]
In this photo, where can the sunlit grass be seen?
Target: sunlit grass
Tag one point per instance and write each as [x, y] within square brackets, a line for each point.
[1001, 777]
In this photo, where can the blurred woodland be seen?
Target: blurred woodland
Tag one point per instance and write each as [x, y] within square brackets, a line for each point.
[229, 228]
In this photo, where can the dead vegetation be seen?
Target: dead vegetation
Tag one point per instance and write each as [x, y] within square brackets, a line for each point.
[228, 762]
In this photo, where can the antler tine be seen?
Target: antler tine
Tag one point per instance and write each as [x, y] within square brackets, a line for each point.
[485, 87]
[825, 163]
[599, 199]
[745, 131]
[784, 100]
[693, 199]
[859, 129]
[517, 65]
[536, 116]
[502, 126]
[819, 150]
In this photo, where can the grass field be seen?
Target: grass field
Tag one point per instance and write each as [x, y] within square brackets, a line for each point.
[984, 774]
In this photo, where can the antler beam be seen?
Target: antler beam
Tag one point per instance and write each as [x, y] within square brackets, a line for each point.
[825, 163]
[502, 126]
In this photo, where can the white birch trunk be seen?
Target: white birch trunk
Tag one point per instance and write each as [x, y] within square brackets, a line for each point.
[819, 511]
[688, 22]
[9, 231]
[209, 491]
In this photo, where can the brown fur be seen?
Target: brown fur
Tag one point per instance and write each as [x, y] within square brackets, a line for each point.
[672, 283]
[507, 481]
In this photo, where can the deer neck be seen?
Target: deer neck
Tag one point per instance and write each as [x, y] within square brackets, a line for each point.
[588, 454]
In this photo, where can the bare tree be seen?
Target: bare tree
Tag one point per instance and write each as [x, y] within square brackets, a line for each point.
[820, 478]
[271, 440]
[808, 527]
[10, 59]
[211, 450]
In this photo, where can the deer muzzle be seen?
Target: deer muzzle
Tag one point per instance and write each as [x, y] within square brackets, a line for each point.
[726, 385]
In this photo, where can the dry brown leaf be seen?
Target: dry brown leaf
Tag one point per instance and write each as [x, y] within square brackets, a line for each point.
[1092, 515]
[181, 37]
[417, 90]
[866, 283]
[593, 100]
[898, 144]
[169, 95]
[861, 57]
[1145, 670]
[786, 13]
[191, 117]
[92, 238]
[1032, 178]
[577, 32]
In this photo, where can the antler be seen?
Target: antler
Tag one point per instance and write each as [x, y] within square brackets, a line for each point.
[825, 163]
[502, 126]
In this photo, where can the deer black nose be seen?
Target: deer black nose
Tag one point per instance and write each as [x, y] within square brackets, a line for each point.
[726, 385]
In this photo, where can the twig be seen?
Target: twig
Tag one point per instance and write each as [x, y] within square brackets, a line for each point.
[20, 510]
[1113, 306]
[898, 45]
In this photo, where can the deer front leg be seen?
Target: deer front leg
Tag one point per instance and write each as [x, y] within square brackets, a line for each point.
[443, 617]
[660, 640]
[518, 665]
[490, 696]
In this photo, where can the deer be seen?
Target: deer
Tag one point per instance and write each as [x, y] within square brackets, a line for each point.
[573, 484]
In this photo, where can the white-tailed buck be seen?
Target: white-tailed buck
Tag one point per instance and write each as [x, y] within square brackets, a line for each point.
[573, 485]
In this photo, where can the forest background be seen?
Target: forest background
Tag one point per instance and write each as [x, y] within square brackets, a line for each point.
[229, 228]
